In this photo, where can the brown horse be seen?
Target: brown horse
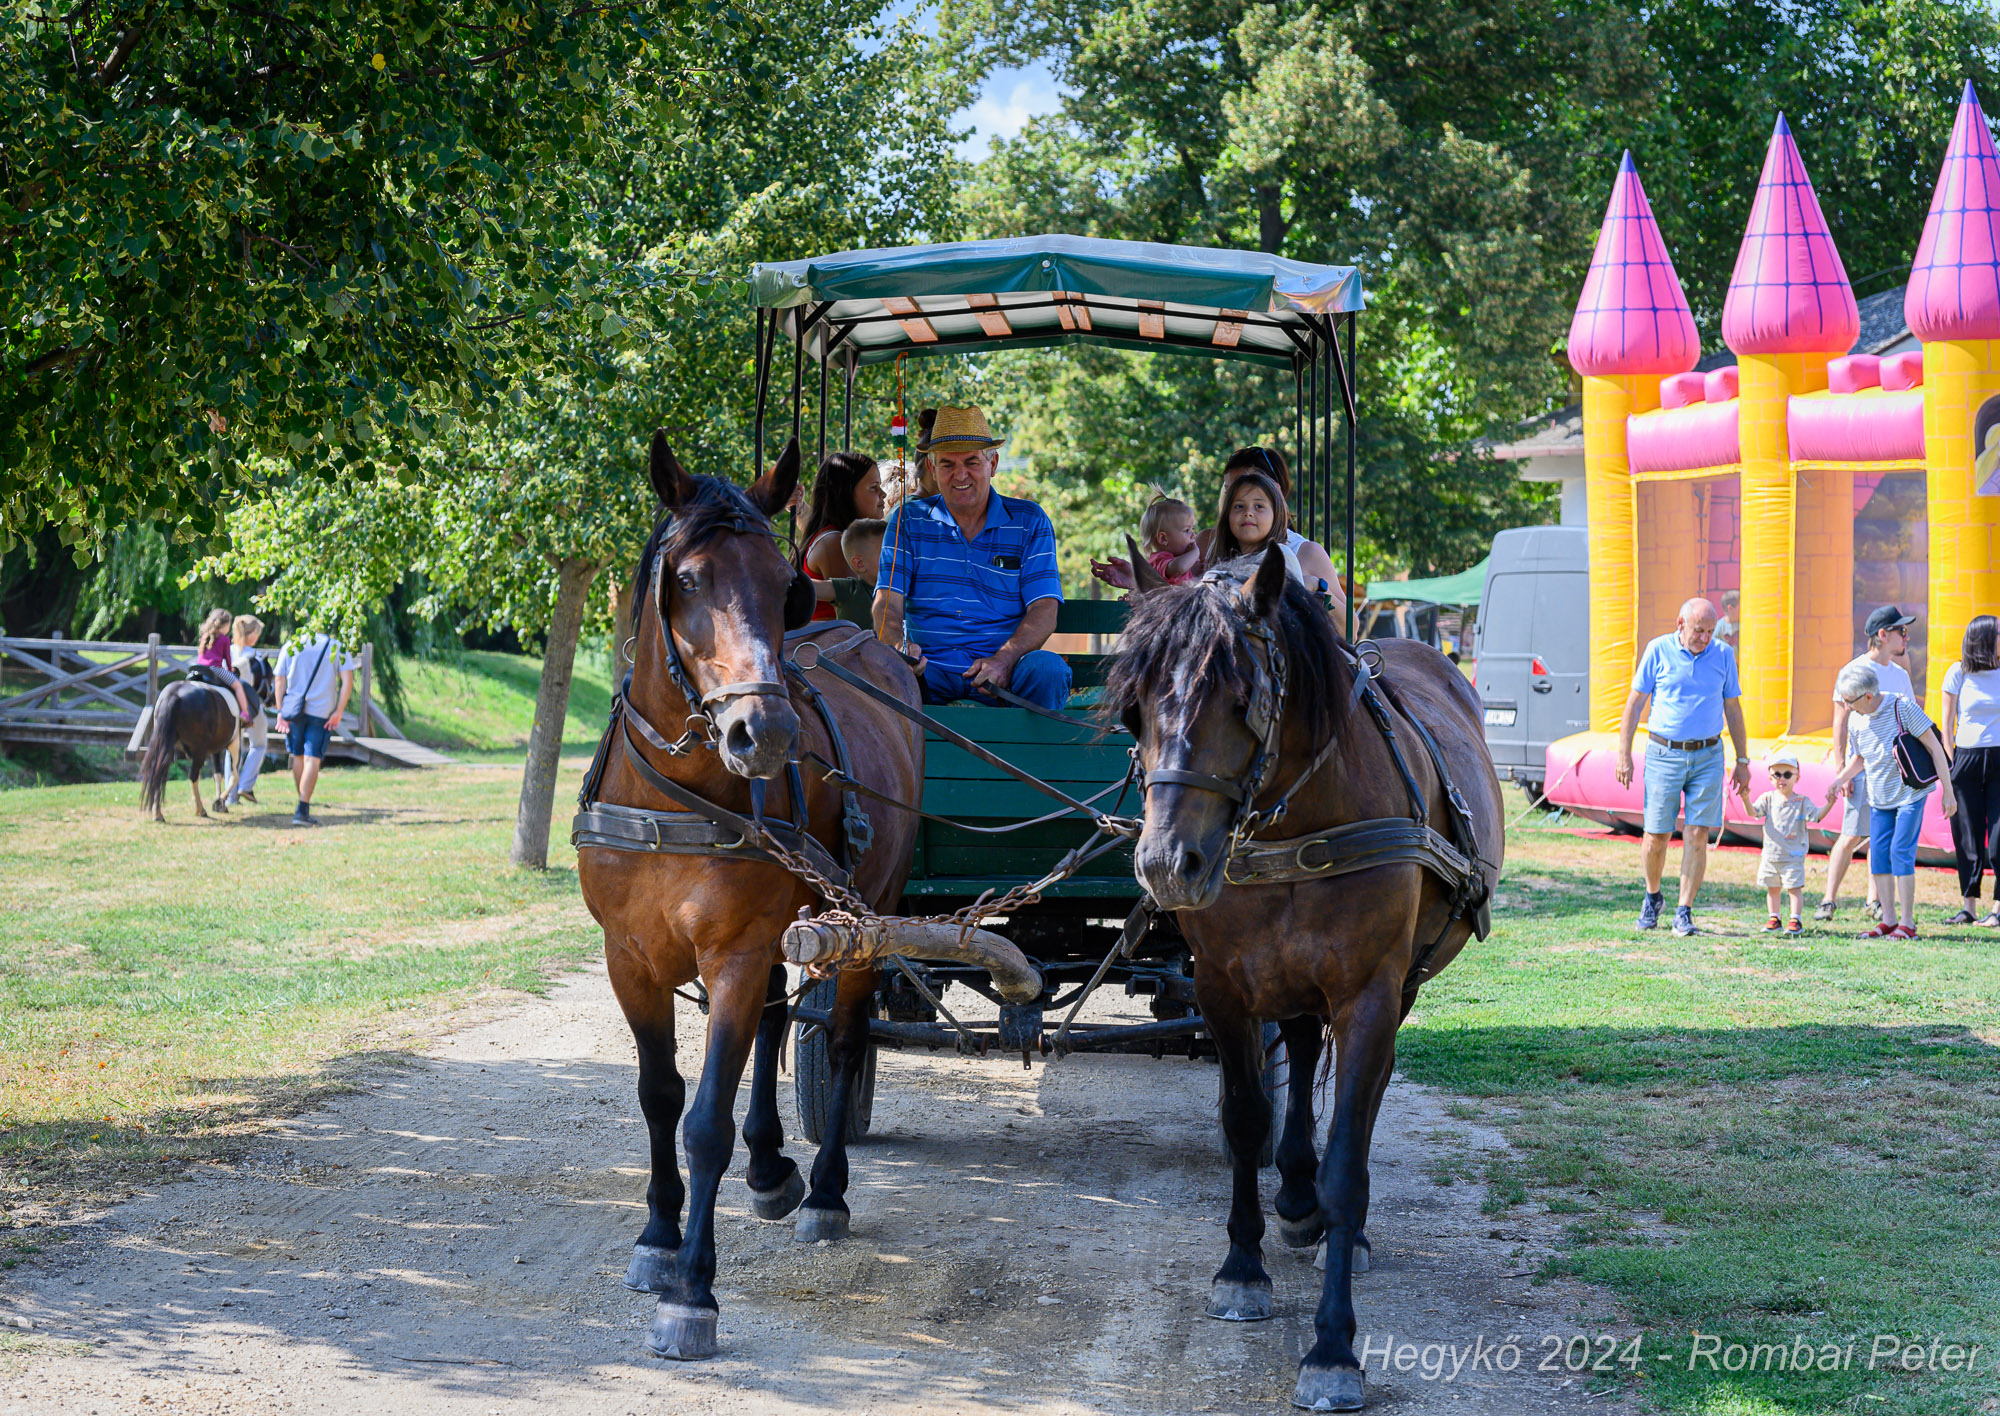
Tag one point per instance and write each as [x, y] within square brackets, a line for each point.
[1338, 953]
[196, 719]
[710, 607]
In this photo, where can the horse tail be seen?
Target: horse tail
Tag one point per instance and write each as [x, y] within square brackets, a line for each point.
[160, 752]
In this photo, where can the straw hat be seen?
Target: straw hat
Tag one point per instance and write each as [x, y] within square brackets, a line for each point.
[960, 429]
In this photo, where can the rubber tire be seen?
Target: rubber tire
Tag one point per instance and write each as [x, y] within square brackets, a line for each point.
[812, 1073]
[1277, 1089]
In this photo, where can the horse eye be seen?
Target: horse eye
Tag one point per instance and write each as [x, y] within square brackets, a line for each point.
[688, 583]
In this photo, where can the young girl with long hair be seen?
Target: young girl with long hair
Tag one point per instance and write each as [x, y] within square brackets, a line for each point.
[1251, 518]
[213, 644]
[847, 489]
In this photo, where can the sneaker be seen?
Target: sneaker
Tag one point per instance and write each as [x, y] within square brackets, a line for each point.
[1875, 909]
[1773, 925]
[1684, 921]
[1821, 912]
[1649, 910]
[1795, 927]
[302, 815]
[250, 797]
[1880, 931]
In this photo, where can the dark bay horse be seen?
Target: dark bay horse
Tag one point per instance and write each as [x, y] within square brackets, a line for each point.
[196, 719]
[1335, 945]
[710, 605]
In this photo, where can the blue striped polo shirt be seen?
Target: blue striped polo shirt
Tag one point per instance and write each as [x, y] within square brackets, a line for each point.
[968, 595]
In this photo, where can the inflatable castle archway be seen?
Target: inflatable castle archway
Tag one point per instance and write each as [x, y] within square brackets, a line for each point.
[1812, 483]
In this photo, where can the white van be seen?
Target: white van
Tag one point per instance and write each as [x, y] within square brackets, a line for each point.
[1532, 642]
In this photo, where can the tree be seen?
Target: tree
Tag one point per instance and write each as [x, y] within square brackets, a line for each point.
[510, 518]
[242, 237]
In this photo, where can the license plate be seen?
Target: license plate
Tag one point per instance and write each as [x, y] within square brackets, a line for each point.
[1499, 717]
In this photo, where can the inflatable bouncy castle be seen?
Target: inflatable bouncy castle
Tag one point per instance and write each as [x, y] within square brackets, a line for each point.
[1800, 486]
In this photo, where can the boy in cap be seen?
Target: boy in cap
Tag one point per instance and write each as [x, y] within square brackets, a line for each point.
[1785, 815]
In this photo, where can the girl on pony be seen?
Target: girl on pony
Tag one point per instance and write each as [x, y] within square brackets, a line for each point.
[1252, 518]
[847, 489]
[214, 644]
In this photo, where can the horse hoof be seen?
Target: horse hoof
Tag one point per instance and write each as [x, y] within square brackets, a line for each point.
[818, 1224]
[776, 1204]
[682, 1333]
[1300, 1233]
[1239, 1302]
[649, 1268]
[1363, 1259]
[1328, 1389]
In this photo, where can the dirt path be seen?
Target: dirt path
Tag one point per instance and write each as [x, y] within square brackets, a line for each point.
[450, 1240]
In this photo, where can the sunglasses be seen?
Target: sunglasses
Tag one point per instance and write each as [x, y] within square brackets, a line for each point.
[1783, 776]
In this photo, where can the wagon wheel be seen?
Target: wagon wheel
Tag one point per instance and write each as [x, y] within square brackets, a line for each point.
[1277, 1090]
[812, 1080]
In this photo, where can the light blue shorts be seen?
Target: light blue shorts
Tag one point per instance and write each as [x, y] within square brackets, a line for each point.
[1892, 838]
[1674, 773]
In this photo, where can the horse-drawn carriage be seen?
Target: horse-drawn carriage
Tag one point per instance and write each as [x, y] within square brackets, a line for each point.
[1027, 855]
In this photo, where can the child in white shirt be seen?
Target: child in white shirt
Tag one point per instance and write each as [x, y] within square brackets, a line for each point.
[1785, 815]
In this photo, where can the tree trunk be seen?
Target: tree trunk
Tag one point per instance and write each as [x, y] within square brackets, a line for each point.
[621, 629]
[1271, 223]
[538, 779]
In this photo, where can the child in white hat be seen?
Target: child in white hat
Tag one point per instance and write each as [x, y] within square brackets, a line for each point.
[1785, 815]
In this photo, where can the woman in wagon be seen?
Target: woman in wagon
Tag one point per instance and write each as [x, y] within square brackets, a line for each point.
[1875, 721]
[848, 489]
[968, 586]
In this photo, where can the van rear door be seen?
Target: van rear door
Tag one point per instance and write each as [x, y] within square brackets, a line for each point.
[1558, 701]
[1506, 650]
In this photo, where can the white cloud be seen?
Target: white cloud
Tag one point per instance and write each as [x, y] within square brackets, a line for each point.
[1009, 99]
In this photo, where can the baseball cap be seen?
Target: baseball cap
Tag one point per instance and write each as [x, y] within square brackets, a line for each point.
[1887, 617]
[1783, 757]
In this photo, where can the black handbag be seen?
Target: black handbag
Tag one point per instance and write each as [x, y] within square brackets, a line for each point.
[1913, 759]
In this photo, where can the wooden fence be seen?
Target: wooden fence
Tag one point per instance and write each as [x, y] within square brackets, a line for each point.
[61, 690]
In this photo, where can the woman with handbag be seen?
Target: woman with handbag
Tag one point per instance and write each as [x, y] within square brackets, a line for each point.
[1891, 740]
[1972, 727]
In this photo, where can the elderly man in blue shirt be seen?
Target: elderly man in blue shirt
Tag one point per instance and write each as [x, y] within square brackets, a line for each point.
[968, 582]
[1690, 675]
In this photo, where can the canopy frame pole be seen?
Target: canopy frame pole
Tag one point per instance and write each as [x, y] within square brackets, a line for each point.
[1329, 352]
[847, 406]
[798, 381]
[1298, 411]
[1309, 464]
[824, 359]
[767, 326]
[1351, 387]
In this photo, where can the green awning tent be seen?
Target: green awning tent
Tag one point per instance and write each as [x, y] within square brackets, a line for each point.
[1461, 589]
[868, 306]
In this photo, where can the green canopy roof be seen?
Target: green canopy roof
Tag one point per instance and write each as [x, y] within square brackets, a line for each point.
[867, 306]
[1463, 588]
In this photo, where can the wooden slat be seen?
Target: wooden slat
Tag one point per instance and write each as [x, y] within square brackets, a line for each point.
[991, 318]
[1152, 323]
[919, 329]
[1229, 328]
[1073, 316]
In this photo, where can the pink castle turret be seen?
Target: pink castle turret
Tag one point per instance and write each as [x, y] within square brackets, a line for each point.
[1789, 294]
[1954, 290]
[1632, 317]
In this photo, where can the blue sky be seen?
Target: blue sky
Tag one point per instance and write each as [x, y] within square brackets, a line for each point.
[1009, 98]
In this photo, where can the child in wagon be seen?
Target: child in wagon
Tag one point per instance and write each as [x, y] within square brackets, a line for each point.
[1785, 815]
[1166, 535]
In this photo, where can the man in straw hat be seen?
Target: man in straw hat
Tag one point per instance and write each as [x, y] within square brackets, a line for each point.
[968, 580]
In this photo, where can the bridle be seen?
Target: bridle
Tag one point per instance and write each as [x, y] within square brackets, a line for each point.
[702, 707]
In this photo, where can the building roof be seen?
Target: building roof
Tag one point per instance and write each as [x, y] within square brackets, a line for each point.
[1632, 317]
[1789, 293]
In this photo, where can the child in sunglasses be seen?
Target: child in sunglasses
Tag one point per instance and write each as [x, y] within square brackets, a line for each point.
[1785, 815]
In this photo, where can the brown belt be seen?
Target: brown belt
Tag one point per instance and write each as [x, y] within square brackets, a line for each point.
[1691, 745]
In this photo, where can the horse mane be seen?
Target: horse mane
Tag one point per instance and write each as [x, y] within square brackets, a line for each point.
[716, 506]
[1184, 637]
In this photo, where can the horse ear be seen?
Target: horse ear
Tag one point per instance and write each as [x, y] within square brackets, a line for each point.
[774, 489]
[1262, 592]
[1145, 580]
[671, 483]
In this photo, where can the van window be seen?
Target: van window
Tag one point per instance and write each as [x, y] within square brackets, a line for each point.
[1562, 621]
[1507, 615]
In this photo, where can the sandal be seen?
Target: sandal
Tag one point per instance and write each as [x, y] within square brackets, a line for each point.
[1902, 931]
[1880, 931]
[1992, 921]
[1962, 917]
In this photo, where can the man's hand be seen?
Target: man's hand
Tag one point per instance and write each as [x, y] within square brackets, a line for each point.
[1741, 776]
[913, 655]
[333, 723]
[284, 725]
[1623, 771]
[996, 670]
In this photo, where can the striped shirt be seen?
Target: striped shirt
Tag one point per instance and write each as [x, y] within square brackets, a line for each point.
[964, 595]
[1873, 740]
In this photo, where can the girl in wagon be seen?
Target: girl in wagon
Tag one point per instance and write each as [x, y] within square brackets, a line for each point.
[213, 659]
[1252, 518]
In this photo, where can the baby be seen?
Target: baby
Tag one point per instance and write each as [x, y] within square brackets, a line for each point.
[1786, 815]
[1166, 531]
[861, 543]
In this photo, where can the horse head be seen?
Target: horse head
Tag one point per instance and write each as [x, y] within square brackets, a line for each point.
[721, 595]
[1211, 678]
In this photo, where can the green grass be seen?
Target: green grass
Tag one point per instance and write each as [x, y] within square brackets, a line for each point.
[1749, 1136]
[482, 704]
[164, 986]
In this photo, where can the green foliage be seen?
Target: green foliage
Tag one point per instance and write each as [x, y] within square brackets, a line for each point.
[294, 231]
